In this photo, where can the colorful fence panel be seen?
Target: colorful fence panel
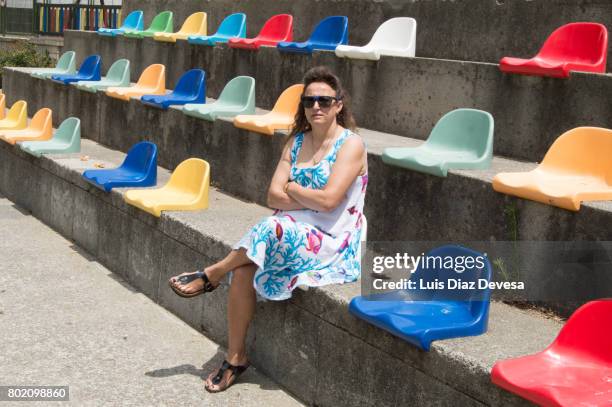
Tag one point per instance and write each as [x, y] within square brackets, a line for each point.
[54, 19]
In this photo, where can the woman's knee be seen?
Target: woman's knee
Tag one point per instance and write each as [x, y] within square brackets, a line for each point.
[243, 275]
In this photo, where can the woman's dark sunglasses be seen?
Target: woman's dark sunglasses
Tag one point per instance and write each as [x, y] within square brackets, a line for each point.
[324, 101]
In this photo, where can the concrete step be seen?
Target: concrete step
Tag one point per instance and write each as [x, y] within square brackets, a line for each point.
[461, 207]
[470, 30]
[302, 343]
[67, 320]
[403, 96]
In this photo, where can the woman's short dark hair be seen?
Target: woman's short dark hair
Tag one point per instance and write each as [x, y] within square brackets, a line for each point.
[325, 75]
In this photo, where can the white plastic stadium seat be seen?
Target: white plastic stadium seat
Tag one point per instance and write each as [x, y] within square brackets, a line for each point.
[395, 37]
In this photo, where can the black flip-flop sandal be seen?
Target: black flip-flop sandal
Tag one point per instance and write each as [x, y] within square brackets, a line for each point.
[236, 372]
[186, 279]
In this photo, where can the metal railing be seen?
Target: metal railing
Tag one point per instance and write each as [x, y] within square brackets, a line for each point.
[53, 19]
[16, 20]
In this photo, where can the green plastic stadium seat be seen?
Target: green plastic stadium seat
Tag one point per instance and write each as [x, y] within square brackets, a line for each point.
[65, 65]
[67, 139]
[117, 75]
[162, 23]
[237, 97]
[462, 139]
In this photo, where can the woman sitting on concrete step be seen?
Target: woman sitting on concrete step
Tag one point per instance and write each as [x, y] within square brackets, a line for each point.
[313, 238]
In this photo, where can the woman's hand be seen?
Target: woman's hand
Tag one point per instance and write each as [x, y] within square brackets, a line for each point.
[349, 164]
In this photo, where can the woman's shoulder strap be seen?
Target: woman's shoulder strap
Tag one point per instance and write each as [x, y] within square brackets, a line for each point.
[297, 144]
[338, 144]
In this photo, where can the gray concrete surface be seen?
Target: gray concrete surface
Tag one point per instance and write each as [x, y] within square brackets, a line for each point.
[470, 30]
[302, 343]
[67, 320]
[403, 96]
[461, 207]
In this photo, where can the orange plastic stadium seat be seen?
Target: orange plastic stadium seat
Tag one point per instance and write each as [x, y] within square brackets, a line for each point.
[16, 118]
[195, 24]
[280, 118]
[152, 81]
[2, 105]
[576, 168]
[40, 129]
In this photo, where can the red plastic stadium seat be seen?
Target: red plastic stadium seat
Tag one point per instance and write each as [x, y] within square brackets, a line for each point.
[278, 28]
[572, 47]
[576, 370]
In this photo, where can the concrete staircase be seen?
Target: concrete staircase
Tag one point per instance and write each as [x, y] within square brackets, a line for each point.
[311, 344]
[466, 30]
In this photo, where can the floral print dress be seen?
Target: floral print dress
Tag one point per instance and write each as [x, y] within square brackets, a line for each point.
[307, 247]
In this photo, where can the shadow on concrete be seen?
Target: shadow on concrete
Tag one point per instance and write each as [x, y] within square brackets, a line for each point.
[211, 367]
[124, 283]
[84, 253]
[21, 210]
[119, 279]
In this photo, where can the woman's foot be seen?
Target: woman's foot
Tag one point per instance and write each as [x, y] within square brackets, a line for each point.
[225, 376]
[192, 284]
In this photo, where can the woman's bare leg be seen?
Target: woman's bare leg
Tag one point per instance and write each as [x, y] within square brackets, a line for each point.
[240, 311]
[232, 261]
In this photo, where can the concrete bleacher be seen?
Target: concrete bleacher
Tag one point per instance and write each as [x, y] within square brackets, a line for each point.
[403, 96]
[302, 343]
[465, 197]
[396, 101]
[465, 30]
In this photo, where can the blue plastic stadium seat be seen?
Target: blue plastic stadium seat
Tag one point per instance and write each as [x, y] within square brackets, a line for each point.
[423, 316]
[232, 26]
[134, 21]
[139, 169]
[190, 88]
[88, 71]
[327, 35]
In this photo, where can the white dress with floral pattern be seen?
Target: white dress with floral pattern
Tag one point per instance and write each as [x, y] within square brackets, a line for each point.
[307, 247]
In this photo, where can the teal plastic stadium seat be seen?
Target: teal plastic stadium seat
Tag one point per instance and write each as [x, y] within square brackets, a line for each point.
[232, 26]
[134, 21]
[67, 139]
[163, 22]
[117, 75]
[237, 97]
[462, 139]
[66, 64]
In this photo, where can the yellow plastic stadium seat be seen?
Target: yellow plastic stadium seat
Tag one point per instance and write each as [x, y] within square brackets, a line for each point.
[576, 168]
[40, 129]
[186, 190]
[2, 105]
[152, 81]
[280, 118]
[16, 118]
[195, 24]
